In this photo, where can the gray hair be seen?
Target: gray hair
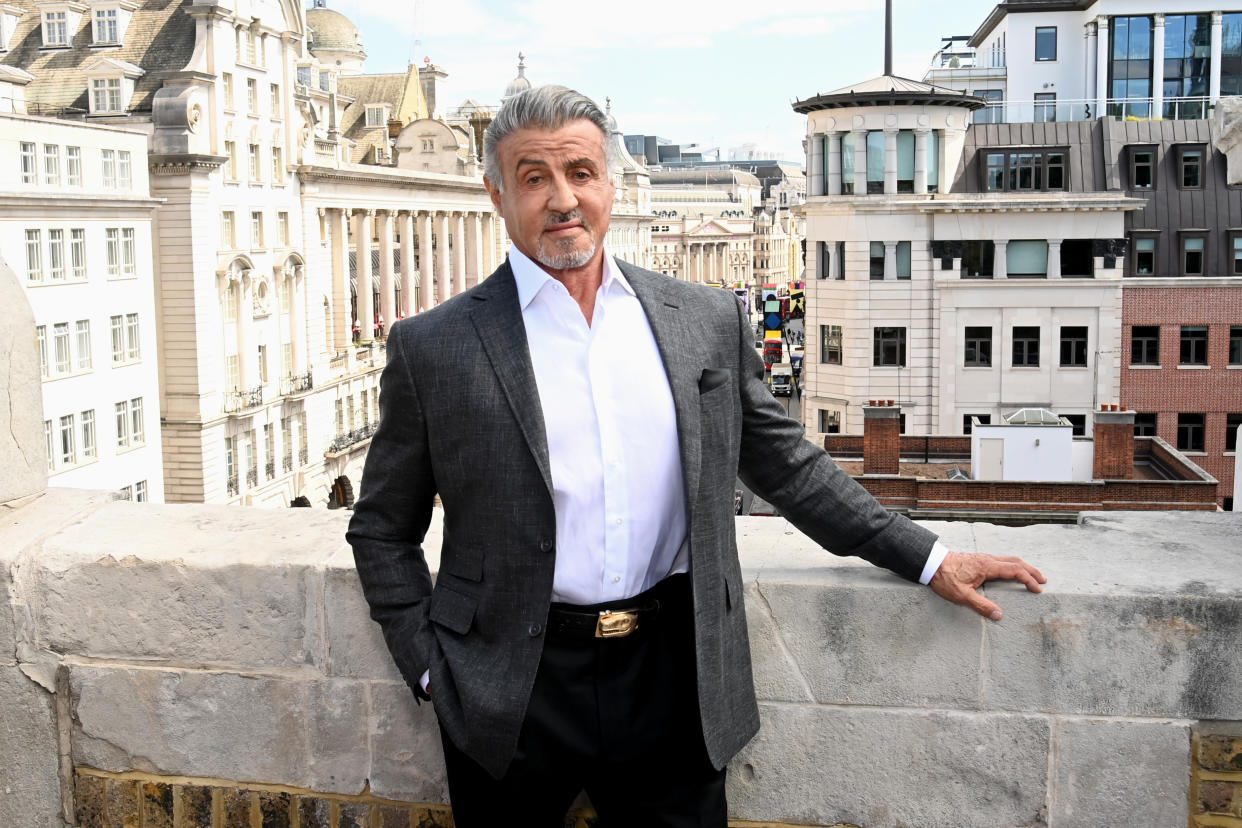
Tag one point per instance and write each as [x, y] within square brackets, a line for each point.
[542, 107]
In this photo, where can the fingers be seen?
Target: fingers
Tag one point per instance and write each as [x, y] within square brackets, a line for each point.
[988, 609]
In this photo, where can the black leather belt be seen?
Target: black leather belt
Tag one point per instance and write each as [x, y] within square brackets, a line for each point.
[608, 623]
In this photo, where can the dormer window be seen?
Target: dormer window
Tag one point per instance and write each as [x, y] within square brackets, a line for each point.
[106, 30]
[9, 15]
[60, 22]
[111, 85]
[106, 95]
[109, 20]
[377, 116]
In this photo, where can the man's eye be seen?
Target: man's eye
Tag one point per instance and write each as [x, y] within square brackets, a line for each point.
[534, 179]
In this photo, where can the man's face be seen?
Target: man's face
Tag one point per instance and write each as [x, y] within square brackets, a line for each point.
[558, 192]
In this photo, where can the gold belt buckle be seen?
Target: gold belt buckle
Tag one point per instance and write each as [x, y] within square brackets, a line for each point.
[616, 624]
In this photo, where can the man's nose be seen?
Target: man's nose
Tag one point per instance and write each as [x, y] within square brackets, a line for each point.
[561, 197]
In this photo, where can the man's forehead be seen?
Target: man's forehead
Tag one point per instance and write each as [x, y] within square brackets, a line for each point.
[577, 140]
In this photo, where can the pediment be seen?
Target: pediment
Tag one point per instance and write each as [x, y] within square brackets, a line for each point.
[712, 227]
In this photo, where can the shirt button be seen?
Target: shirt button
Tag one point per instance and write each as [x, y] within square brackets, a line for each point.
[616, 579]
[618, 521]
[545, 545]
[535, 629]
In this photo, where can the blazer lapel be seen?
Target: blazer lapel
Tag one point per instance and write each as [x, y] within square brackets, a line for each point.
[675, 332]
[497, 317]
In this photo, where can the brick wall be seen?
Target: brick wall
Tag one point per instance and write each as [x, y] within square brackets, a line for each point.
[1113, 452]
[1216, 778]
[881, 439]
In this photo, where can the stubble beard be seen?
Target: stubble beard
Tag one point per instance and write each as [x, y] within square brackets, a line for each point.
[565, 254]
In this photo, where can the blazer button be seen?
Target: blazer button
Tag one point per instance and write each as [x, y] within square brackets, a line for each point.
[545, 545]
[535, 629]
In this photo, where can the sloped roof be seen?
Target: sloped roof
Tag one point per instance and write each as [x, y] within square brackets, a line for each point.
[393, 89]
[160, 40]
[888, 90]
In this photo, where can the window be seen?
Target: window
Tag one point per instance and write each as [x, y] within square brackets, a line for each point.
[1187, 39]
[889, 346]
[1079, 423]
[105, 26]
[73, 166]
[262, 363]
[140, 491]
[56, 254]
[226, 80]
[129, 253]
[282, 227]
[1145, 424]
[304, 75]
[325, 81]
[877, 260]
[228, 233]
[994, 112]
[1026, 258]
[278, 165]
[68, 450]
[1235, 245]
[875, 161]
[118, 339]
[41, 336]
[88, 434]
[829, 421]
[1145, 256]
[830, 344]
[137, 432]
[286, 442]
[252, 96]
[1077, 258]
[132, 340]
[274, 102]
[108, 168]
[256, 173]
[1192, 167]
[1192, 255]
[60, 343]
[1190, 432]
[1145, 345]
[1232, 422]
[256, 229]
[1026, 346]
[977, 259]
[1130, 67]
[112, 249]
[1045, 107]
[1026, 169]
[122, 425]
[126, 345]
[50, 445]
[1142, 168]
[121, 251]
[30, 173]
[968, 424]
[903, 260]
[77, 254]
[230, 166]
[230, 465]
[34, 256]
[1235, 344]
[130, 428]
[82, 329]
[1073, 346]
[55, 29]
[978, 350]
[124, 171]
[376, 116]
[1045, 43]
[1194, 345]
[51, 165]
[106, 94]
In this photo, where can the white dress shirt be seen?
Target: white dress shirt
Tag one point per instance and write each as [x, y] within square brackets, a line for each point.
[608, 414]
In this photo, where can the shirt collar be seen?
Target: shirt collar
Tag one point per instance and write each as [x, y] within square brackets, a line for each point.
[531, 278]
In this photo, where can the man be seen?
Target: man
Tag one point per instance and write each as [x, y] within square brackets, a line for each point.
[583, 422]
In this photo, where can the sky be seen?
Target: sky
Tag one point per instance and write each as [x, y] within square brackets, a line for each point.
[716, 74]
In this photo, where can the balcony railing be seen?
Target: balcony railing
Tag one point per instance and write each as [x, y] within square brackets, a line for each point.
[297, 384]
[252, 477]
[243, 400]
[287, 463]
[232, 484]
[1084, 109]
[269, 468]
[303, 456]
[350, 438]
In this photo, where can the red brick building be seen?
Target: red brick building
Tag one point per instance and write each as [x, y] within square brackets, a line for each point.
[1182, 369]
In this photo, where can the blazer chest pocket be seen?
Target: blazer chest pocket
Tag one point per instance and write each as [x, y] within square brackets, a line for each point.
[452, 610]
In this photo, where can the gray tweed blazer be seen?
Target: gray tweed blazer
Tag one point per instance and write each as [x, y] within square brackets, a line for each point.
[460, 417]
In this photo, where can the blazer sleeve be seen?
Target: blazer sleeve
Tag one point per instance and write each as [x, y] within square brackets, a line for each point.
[391, 516]
[809, 489]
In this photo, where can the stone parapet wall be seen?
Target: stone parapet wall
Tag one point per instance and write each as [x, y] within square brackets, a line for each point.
[225, 655]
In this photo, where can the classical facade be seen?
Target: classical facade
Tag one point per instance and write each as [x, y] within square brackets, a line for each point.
[75, 226]
[704, 228]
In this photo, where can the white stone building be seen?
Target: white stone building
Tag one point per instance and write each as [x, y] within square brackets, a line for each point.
[75, 226]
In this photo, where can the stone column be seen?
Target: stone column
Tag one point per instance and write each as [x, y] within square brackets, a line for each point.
[490, 260]
[459, 252]
[338, 224]
[387, 304]
[834, 162]
[890, 260]
[408, 303]
[815, 162]
[920, 160]
[474, 250]
[1157, 66]
[426, 281]
[362, 268]
[1000, 260]
[297, 318]
[1214, 78]
[890, 161]
[1102, 48]
[247, 357]
[1088, 61]
[1054, 259]
[443, 271]
[860, 162]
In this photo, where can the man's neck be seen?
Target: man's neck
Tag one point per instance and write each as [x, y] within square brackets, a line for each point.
[581, 282]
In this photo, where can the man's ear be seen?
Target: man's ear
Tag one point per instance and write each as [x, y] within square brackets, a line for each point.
[494, 192]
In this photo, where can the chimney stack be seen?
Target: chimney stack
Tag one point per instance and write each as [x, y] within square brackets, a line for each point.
[1114, 443]
[881, 437]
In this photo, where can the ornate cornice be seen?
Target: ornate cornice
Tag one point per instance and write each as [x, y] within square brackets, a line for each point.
[184, 163]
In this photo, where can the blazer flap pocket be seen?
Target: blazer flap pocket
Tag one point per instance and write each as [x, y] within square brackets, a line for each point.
[453, 610]
[712, 378]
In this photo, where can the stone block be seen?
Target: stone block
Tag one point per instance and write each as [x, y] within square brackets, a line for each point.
[89, 803]
[776, 674]
[1123, 654]
[339, 755]
[157, 805]
[1215, 798]
[22, 447]
[354, 815]
[29, 785]
[195, 805]
[822, 765]
[193, 723]
[190, 605]
[236, 806]
[314, 812]
[124, 802]
[861, 636]
[1110, 772]
[407, 760]
[1219, 753]
[355, 644]
[275, 809]
[392, 816]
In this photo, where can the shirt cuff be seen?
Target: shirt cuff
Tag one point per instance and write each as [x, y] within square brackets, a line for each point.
[934, 560]
[425, 678]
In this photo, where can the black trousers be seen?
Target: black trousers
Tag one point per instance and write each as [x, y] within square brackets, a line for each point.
[618, 718]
